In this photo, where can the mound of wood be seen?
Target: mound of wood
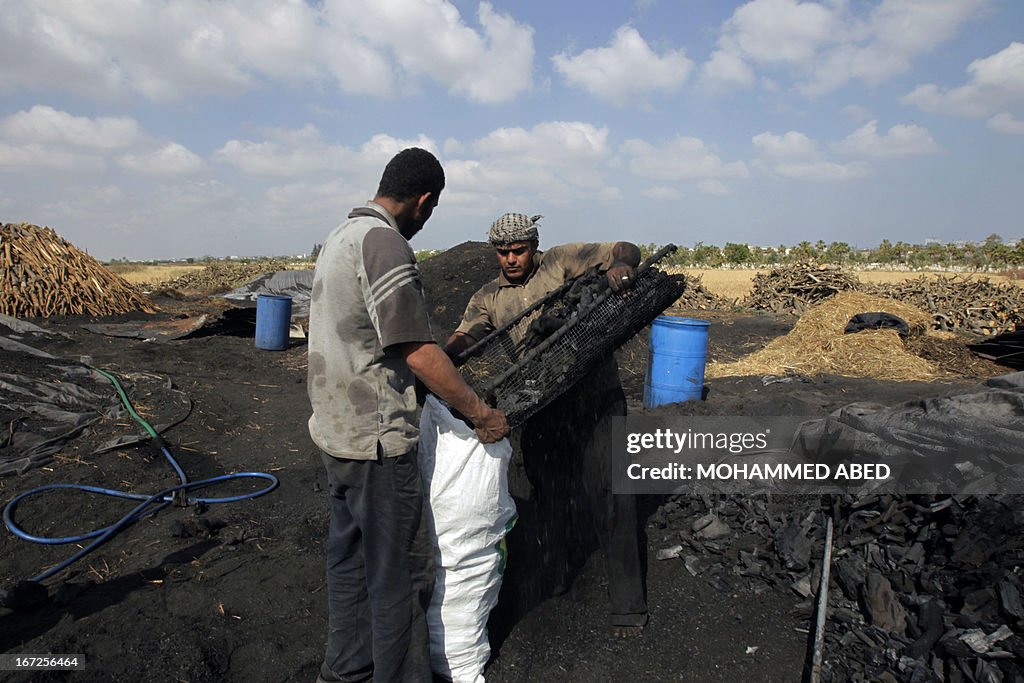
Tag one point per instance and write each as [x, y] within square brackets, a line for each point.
[41, 275]
[797, 287]
[961, 303]
[697, 298]
[220, 276]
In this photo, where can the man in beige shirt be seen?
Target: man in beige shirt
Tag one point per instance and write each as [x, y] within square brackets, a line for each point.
[578, 424]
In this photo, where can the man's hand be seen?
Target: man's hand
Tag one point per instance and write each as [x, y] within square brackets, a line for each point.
[492, 426]
[620, 277]
[457, 343]
[432, 367]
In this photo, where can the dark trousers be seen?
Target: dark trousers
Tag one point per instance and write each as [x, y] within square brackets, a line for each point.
[379, 571]
[567, 452]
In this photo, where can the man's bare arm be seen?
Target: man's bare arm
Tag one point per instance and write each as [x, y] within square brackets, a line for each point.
[433, 367]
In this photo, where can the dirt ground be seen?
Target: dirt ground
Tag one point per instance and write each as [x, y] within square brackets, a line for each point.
[235, 592]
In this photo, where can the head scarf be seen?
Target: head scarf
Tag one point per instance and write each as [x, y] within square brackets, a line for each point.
[513, 227]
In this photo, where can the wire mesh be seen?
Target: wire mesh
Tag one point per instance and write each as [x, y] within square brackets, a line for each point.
[523, 366]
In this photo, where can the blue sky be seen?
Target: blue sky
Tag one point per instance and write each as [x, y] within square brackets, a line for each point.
[162, 129]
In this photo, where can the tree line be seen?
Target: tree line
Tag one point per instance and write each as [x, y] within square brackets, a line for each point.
[992, 254]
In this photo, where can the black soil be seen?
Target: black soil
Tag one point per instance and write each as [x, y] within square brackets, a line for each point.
[235, 592]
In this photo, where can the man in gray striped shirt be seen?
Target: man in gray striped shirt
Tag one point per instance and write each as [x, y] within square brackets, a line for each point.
[369, 339]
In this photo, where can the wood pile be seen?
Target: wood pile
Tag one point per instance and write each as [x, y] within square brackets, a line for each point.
[220, 276]
[974, 305]
[795, 288]
[961, 303]
[697, 298]
[923, 588]
[42, 275]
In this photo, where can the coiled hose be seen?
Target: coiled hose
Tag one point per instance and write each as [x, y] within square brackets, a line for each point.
[149, 504]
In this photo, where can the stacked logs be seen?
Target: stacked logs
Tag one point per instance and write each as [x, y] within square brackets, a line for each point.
[961, 303]
[794, 289]
[41, 274]
[220, 276]
[697, 298]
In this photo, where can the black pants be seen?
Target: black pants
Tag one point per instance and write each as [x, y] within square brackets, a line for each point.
[379, 571]
[567, 452]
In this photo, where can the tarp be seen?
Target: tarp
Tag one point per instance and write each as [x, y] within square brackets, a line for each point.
[967, 442]
[971, 442]
[1006, 349]
[298, 284]
[49, 402]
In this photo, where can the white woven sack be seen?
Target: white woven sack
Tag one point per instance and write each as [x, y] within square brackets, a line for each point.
[470, 510]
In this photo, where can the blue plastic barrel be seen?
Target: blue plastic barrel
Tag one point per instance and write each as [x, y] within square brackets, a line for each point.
[675, 362]
[273, 321]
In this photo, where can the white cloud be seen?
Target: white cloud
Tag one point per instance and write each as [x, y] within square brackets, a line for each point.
[684, 158]
[822, 46]
[557, 162]
[995, 82]
[727, 69]
[886, 42]
[786, 31]
[899, 141]
[453, 148]
[171, 159]
[796, 156]
[858, 113]
[430, 38]
[713, 187]
[44, 137]
[626, 68]
[20, 156]
[1004, 123]
[303, 152]
[550, 142]
[168, 51]
[822, 171]
[45, 125]
[660, 192]
[792, 146]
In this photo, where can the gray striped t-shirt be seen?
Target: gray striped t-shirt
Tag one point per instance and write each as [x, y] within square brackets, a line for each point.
[367, 298]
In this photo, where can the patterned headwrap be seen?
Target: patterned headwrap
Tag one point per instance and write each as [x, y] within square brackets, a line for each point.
[513, 227]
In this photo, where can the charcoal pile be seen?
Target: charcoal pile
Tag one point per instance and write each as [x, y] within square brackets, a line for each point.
[922, 588]
[451, 278]
[795, 288]
[974, 305]
[42, 274]
[219, 276]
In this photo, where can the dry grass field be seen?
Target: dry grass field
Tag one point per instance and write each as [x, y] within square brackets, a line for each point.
[141, 272]
[735, 284]
[729, 284]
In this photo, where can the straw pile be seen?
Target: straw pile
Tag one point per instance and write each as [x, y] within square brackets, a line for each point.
[817, 344]
[41, 274]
